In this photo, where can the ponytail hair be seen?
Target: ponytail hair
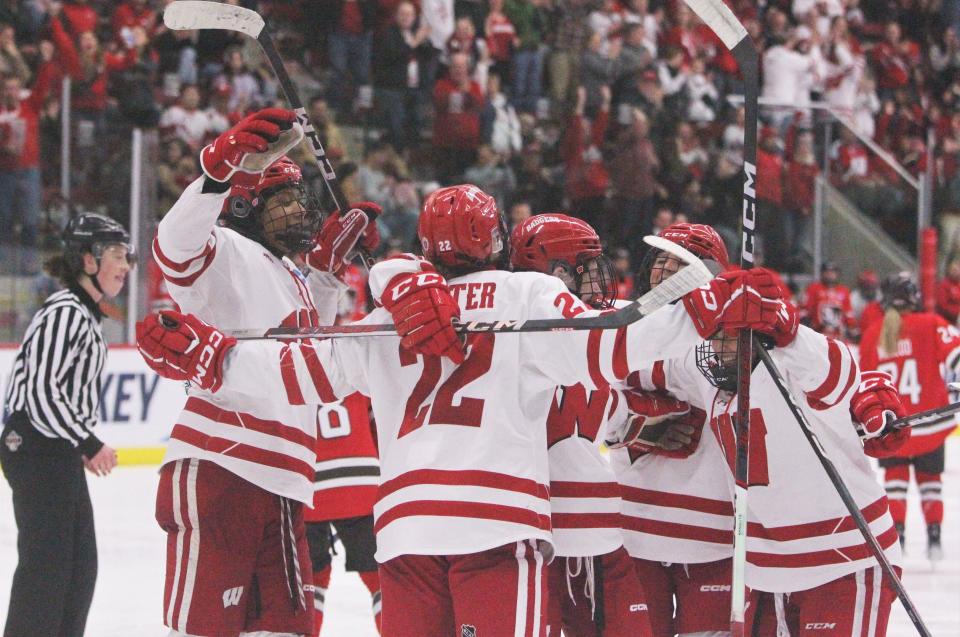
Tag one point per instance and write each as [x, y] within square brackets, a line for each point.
[890, 332]
[63, 268]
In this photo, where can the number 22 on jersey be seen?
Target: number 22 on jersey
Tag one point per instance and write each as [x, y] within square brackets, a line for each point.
[442, 411]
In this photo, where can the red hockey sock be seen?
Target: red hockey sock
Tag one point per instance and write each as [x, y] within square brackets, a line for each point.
[321, 582]
[930, 497]
[895, 481]
[371, 580]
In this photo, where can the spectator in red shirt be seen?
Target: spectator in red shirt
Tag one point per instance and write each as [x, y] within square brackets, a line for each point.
[79, 17]
[458, 102]
[20, 188]
[770, 173]
[827, 307]
[799, 186]
[349, 46]
[501, 39]
[129, 15]
[893, 58]
[948, 293]
[585, 172]
[854, 176]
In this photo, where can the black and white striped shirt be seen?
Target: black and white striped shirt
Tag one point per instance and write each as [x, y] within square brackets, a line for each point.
[56, 375]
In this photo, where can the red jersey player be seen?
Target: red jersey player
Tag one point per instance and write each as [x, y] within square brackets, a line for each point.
[463, 511]
[827, 307]
[917, 349]
[347, 475]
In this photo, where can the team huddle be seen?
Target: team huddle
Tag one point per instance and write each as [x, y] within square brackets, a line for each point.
[494, 512]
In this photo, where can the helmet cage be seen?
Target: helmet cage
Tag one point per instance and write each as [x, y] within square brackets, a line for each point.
[720, 373]
[281, 231]
[603, 276]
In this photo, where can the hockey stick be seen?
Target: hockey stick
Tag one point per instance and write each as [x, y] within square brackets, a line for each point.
[684, 281]
[734, 36]
[924, 417]
[200, 14]
[841, 488]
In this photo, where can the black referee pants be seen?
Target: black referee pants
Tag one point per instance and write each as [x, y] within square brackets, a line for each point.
[56, 545]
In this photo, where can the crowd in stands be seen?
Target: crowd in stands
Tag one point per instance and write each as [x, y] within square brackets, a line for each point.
[616, 111]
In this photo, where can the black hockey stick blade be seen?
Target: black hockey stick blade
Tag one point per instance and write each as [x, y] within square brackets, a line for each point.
[924, 417]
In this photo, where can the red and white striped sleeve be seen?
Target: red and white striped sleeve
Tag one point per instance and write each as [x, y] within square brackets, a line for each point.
[823, 368]
[306, 372]
[186, 243]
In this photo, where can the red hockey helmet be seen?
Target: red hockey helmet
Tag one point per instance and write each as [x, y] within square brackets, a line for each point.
[461, 229]
[543, 241]
[283, 226]
[700, 239]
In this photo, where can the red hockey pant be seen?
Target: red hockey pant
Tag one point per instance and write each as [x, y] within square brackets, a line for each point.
[856, 604]
[686, 598]
[230, 566]
[593, 594]
[495, 593]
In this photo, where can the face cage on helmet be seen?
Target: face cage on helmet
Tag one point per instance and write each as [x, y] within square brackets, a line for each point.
[606, 281]
[292, 231]
[720, 374]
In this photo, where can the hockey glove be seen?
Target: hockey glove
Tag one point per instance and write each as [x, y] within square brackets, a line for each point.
[257, 134]
[648, 411]
[182, 347]
[342, 234]
[423, 310]
[738, 299]
[875, 403]
[673, 438]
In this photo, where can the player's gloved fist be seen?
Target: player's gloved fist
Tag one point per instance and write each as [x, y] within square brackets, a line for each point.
[786, 321]
[738, 299]
[874, 405]
[182, 347]
[673, 438]
[423, 310]
[341, 234]
[252, 135]
[647, 412]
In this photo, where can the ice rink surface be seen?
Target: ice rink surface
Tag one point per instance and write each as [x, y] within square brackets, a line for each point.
[129, 590]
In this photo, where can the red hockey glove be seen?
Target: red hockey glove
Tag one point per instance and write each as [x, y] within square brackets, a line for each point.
[647, 413]
[678, 437]
[252, 135]
[340, 235]
[875, 403]
[182, 347]
[423, 310]
[737, 299]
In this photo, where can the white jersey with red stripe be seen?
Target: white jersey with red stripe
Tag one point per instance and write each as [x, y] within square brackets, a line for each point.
[584, 497]
[234, 282]
[463, 448]
[799, 534]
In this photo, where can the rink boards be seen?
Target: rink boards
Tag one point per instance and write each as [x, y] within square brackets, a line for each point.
[137, 409]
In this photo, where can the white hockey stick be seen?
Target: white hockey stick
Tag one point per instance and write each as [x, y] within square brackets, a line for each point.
[686, 280]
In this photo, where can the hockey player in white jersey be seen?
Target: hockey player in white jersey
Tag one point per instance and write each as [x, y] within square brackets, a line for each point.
[237, 469]
[593, 585]
[810, 571]
[463, 511]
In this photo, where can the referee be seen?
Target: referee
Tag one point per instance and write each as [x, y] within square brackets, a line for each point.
[49, 413]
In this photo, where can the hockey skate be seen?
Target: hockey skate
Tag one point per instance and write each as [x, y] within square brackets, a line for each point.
[934, 548]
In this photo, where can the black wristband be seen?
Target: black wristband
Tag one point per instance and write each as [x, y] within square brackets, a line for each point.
[90, 447]
[214, 187]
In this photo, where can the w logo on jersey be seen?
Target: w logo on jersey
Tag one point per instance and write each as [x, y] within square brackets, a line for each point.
[231, 596]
